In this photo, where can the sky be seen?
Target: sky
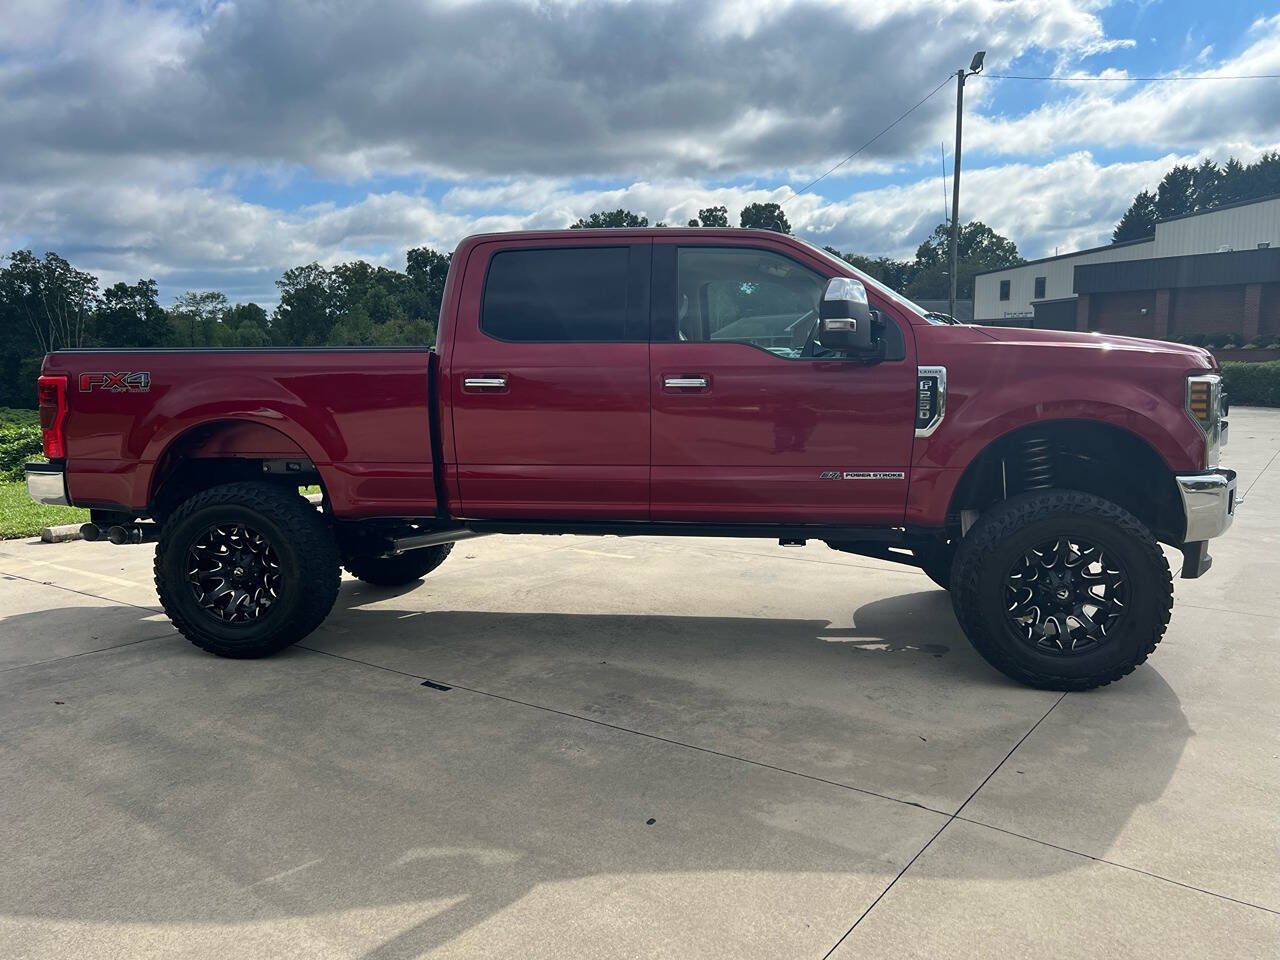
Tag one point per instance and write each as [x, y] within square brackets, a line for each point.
[214, 144]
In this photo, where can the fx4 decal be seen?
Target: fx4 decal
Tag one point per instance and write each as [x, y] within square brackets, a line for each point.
[122, 382]
[863, 475]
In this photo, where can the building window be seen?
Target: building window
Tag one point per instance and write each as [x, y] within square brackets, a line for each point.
[1004, 289]
[1039, 288]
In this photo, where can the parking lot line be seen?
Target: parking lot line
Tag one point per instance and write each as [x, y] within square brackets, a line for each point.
[106, 578]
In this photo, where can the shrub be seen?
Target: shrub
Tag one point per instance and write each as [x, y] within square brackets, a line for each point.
[1222, 341]
[18, 444]
[1256, 384]
[13, 417]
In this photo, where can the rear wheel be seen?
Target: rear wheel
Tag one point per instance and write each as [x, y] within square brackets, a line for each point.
[396, 571]
[246, 569]
[1062, 590]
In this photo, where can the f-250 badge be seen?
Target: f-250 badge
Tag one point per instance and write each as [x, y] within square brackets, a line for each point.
[862, 475]
[122, 382]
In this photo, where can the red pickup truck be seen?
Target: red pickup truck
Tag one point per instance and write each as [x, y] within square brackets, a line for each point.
[683, 382]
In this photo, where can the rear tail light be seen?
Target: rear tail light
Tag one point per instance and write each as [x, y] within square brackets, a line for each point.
[52, 392]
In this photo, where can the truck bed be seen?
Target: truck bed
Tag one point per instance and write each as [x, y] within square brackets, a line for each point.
[361, 417]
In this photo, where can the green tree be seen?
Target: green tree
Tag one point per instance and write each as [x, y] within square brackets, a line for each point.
[53, 298]
[247, 325]
[610, 218]
[711, 217]
[764, 216]
[978, 248]
[1233, 186]
[130, 315]
[1175, 195]
[896, 274]
[307, 310]
[197, 319]
[427, 269]
[1206, 186]
[1139, 221]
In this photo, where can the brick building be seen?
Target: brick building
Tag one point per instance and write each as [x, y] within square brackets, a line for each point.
[1211, 272]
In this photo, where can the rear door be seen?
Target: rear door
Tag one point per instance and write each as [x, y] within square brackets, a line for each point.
[751, 421]
[549, 381]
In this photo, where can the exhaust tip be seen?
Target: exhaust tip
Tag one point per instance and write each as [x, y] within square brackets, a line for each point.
[118, 535]
[90, 531]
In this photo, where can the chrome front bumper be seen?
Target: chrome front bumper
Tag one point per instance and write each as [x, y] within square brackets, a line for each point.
[46, 483]
[1209, 502]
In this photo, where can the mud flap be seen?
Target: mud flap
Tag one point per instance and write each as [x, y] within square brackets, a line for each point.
[1195, 559]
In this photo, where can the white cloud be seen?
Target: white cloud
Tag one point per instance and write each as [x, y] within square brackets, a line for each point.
[203, 237]
[135, 125]
[1156, 116]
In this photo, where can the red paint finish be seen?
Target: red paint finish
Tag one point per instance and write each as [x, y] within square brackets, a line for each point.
[567, 437]
[590, 431]
[754, 445]
[361, 416]
[1000, 379]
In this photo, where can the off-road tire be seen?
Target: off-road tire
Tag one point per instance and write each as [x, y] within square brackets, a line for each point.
[936, 560]
[397, 571]
[1000, 536]
[304, 547]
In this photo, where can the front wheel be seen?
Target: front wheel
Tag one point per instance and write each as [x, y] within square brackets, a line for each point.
[246, 569]
[1062, 590]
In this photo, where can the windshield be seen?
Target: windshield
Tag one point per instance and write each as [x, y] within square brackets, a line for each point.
[872, 282]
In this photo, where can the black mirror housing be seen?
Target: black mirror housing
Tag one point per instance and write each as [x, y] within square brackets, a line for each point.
[844, 317]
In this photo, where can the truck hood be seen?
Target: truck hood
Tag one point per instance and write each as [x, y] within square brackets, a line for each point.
[1191, 356]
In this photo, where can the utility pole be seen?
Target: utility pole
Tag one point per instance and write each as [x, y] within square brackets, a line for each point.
[975, 66]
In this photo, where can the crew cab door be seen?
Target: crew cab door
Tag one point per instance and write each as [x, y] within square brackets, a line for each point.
[549, 381]
[751, 423]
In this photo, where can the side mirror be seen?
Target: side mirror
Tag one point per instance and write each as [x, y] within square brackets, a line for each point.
[844, 317]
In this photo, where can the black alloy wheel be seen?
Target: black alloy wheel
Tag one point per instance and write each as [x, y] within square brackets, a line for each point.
[246, 569]
[233, 572]
[1066, 596]
[1061, 589]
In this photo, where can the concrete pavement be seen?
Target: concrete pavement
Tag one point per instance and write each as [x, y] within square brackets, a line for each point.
[647, 748]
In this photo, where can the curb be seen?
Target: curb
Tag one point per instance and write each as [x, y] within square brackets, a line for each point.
[61, 534]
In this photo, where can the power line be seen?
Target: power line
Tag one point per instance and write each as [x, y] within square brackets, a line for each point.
[902, 116]
[1251, 76]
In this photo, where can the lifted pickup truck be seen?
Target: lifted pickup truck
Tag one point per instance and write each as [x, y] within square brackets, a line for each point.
[683, 382]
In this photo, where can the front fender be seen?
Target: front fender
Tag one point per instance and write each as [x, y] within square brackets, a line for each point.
[978, 417]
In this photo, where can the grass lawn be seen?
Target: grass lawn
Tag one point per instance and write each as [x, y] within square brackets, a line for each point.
[20, 516]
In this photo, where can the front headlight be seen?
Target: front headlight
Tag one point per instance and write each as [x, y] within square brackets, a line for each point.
[1206, 405]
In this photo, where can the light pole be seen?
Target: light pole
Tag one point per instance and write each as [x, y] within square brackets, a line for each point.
[975, 66]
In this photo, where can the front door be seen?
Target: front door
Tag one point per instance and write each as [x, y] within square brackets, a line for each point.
[550, 382]
[751, 422]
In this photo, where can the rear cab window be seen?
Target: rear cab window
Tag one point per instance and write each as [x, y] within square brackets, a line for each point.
[567, 294]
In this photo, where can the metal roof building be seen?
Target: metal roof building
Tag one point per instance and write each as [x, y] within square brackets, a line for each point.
[1217, 271]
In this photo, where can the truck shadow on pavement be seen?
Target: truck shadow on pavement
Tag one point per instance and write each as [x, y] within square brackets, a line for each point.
[157, 784]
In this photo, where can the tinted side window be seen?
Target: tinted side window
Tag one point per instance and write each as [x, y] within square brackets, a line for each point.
[557, 294]
[746, 295]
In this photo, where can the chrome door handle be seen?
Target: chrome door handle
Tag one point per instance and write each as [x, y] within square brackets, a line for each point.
[482, 383]
[698, 382]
